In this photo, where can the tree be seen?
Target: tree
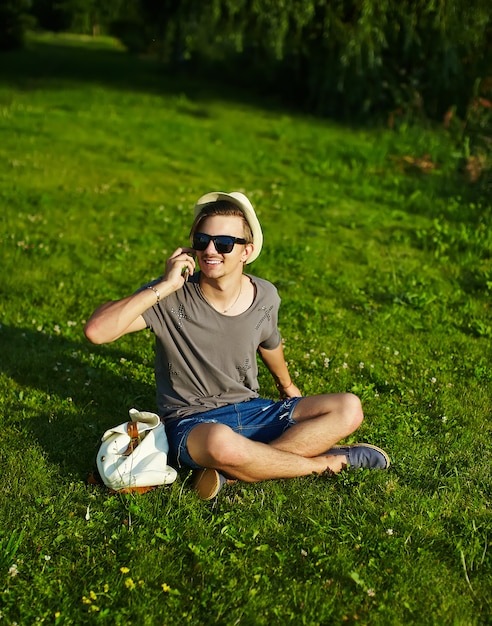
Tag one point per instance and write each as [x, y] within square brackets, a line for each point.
[360, 56]
[14, 18]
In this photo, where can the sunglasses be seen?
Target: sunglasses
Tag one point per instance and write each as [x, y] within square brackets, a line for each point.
[223, 243]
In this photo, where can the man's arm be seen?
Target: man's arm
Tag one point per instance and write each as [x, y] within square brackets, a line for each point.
[120, 317]
[117, 318]
[275, 362]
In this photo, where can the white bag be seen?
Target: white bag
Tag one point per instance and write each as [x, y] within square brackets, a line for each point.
[133, 455]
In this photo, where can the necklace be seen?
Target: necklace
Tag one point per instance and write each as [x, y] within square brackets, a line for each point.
[231, 305]
[237, 298]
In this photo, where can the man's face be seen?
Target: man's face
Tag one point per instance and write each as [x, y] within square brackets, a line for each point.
[215, 264]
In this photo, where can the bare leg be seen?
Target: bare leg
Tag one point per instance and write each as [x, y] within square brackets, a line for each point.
[321, 422]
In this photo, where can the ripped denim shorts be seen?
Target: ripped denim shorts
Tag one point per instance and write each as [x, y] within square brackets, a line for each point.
[258, 419]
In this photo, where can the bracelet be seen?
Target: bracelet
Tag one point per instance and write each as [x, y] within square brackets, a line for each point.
[156, 292]
[284, 386]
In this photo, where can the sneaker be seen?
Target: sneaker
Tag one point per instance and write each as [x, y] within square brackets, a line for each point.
[363, 455]
[207, 483]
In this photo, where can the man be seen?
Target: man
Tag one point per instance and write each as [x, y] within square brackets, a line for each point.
[209, 325]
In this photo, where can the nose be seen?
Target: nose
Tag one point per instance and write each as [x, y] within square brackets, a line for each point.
[210, 249]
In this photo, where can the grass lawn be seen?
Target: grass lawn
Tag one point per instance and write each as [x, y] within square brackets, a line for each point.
[385, 273]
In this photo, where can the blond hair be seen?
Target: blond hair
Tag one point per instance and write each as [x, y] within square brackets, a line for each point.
[221, 207]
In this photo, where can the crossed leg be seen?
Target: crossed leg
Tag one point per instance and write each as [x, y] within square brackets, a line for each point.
[321, 421]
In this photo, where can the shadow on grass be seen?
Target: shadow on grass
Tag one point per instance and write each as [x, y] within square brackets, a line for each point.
[51, 64]
[59, 63]
[64, 399]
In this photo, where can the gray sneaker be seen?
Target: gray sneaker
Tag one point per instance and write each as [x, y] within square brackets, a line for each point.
[207, 483]
[362, 455]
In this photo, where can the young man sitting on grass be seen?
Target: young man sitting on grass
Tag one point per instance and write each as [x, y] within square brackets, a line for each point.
[209, 324]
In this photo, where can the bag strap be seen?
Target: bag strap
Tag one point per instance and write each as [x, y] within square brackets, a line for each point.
[132, 430]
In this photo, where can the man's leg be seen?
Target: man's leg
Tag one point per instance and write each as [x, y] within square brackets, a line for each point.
[321, 422]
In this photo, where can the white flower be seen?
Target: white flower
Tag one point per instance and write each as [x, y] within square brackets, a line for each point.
[389, 531]
[13, 570]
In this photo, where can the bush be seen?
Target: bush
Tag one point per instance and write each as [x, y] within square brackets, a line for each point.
[131, 34]
[14, 19]
[472, 135]
[350, 58]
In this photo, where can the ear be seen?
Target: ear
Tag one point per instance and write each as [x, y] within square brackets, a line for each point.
[247, 252]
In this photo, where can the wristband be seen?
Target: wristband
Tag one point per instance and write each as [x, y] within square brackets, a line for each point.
[284, 386]
[156, 292]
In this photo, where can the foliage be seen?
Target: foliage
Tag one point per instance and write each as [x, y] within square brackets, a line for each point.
[14, 17]
[343, 58]
[384, 268]
[473, 136]
[353, 58]
[51, 15]
[90, 17]
[339, 58]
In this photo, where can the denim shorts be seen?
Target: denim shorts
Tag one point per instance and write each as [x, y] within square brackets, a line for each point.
[258, 419]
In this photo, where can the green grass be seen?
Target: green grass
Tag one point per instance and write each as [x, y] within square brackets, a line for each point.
[385, 276]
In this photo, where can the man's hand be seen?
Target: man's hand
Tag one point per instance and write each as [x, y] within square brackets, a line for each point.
[275, 362]
[179, 266]
[291, 391]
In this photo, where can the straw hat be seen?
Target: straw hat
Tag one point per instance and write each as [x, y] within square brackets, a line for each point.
[241, 202]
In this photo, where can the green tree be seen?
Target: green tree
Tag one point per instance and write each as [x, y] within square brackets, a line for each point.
[360, 56]
[334, 57]
[83, 16]
[50, 16]
[14, 18]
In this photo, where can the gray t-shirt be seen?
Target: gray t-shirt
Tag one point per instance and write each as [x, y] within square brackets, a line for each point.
[204, 359]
